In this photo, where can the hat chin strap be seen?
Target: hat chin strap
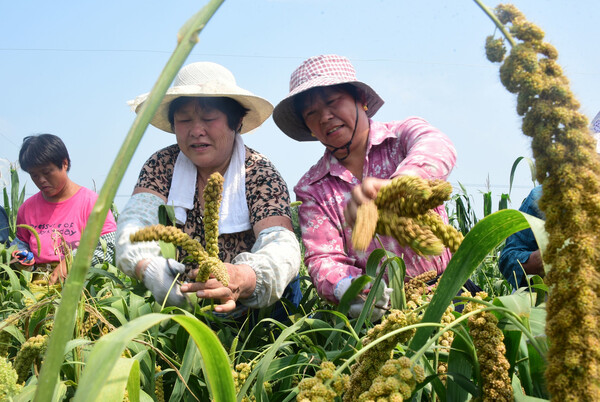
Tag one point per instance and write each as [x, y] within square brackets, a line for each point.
[346, 146]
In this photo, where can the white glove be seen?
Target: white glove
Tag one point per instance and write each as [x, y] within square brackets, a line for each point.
[158, 278]
[381, 305]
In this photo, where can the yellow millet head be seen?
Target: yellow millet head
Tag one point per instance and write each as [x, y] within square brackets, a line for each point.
[214, 266]
[170, 234]
[493, 365]
[397, 379]
[408, 232]
[412, 195]
[365, 225]
[212, 202]
[450, 237]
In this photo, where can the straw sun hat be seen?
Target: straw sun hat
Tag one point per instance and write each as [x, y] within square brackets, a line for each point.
[206, 79]
[319, 71]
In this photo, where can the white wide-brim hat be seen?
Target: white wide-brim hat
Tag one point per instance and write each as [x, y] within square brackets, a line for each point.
[319, 71]
[205, 80]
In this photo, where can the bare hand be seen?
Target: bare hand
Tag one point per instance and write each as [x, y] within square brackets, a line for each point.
[534, 264]
[60, 272]
[362, 193]
[242, 282]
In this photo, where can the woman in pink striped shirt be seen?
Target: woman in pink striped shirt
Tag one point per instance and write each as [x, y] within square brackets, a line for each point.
[327, 103]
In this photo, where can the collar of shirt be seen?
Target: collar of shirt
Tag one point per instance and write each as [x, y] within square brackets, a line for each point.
[330, 165]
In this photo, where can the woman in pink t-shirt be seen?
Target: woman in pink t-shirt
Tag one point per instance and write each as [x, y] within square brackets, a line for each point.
[59, 212]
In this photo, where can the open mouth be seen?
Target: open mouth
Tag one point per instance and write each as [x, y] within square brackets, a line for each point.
[199, 146]
[333, 130]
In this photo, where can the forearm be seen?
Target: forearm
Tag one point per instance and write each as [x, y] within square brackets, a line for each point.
[332, 274]
[275, 262]
[141, 211]
[429, 153]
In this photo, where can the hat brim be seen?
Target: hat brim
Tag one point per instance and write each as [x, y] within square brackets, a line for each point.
[259, 109]
[293, 126]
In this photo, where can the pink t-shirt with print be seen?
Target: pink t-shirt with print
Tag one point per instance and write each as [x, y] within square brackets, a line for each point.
[54, 221]
[411, 146]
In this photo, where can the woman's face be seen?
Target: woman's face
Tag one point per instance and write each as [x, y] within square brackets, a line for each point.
[204, 136]
[330, 114]
[50, 179]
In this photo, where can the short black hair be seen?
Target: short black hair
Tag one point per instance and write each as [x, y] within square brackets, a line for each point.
[301, 99]
[42, 149]
[234, 111]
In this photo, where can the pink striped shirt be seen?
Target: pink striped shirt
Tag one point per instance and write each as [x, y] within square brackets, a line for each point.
[396, 148]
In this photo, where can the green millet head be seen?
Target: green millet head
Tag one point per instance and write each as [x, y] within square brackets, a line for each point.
[507, 13]
[30, 350]
[494, 49]
[526, 31]
[8, 380]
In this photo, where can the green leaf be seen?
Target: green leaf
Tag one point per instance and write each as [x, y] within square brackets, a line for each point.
[264, 364]
[357, 285]
[519, 395]
[479, 242]
[15, 285]
[460, 368]
[487, 203]
[124, 375]
[503, 203]
[514, 168]
[396, 274]
[512, 342]
[167, 250]
[373, 262]
[537, 367]
[189, 358]
[166, 214]
[108, 349]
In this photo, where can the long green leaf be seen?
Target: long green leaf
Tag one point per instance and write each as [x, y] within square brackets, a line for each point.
[189, 357]
[355, 288]
[481, 240]
[65, 316]
[459, 367]
[514, 168]
[124, 372]
[109, 348]
[265, 362]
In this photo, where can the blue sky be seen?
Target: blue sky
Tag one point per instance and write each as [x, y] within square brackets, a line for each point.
[69, 67]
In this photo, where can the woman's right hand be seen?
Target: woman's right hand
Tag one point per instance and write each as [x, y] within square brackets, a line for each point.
[158, 274]
[59, 273]
[364, 192]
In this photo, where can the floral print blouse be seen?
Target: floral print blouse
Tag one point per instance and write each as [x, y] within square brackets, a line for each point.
[408, 147]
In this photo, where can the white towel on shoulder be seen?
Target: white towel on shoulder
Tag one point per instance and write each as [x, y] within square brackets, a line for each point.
[234, 215]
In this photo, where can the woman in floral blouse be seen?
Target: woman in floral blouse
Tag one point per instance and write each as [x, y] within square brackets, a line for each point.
[328, 104]
[207, 112]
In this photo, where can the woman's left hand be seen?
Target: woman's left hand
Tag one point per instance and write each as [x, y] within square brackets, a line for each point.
[362, 193]
[242, 282]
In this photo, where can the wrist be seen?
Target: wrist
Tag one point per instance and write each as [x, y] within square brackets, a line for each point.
[244, 279]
